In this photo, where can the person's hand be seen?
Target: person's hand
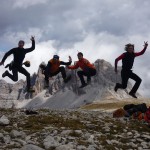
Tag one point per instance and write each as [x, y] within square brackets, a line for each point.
[1, 63]
[32, 38]
[145, 44]
[70, 59]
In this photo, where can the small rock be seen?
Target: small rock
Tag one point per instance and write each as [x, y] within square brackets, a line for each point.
[144, 145]
[64, 147]
[50, 142]
[129, 134]
[81, 147]
[4, 120]
[31, 147]
[7, 139]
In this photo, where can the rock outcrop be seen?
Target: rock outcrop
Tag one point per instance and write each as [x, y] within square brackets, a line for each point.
[101, 87]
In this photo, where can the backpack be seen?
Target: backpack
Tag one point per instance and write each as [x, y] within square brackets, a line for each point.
[119, 113]
[132, 108]
[138, 115]
[128, 106]
[147, 115]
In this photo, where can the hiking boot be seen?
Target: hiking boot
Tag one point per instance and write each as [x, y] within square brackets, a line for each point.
[116, 87]
[5, 74]
[30, 90]
[133, 95]
[83, 85]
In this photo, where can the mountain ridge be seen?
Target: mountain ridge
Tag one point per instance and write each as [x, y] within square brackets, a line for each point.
[61, 95]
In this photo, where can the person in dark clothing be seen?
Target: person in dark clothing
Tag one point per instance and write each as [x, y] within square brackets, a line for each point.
[88, 69]
[126, 72]
[53, 68]
[19, 55]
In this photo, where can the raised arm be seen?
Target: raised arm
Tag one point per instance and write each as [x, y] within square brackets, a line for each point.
[142, 51]
[116, 61]
[32, 47]
[66, 63]
[74, 66]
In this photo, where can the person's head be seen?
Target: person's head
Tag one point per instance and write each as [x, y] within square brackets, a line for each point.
[80, 55]
[55, 57]
[21, 43]
[129, 48]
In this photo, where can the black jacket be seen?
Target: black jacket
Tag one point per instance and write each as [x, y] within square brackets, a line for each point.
[128, 60]
[19, 54]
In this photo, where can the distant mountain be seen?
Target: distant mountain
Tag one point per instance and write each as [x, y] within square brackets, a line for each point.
[61, 95]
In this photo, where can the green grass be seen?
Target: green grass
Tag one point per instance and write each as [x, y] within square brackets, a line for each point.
[108, 105]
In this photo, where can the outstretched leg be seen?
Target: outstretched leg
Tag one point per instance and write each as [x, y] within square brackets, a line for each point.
[125, 77]
[13, 76]
[63, 72]
[138, 81]
[27, 74]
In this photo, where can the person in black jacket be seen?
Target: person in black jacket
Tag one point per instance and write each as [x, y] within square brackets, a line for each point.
[19, 55]
[126, 72]
[53, 68]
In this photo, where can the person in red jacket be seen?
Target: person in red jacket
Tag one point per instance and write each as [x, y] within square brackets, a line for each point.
[88, 69]
[126, 72]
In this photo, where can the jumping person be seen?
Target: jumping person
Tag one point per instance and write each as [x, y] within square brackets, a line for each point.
[19, 55]
[126, 72]
[88, 69]
[53, 68]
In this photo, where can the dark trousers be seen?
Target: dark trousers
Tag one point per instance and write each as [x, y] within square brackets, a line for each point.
[87, 72]
[14, 75]
[125, 75]
[49, 74]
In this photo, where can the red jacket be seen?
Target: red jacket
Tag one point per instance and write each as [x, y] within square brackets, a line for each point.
[83, 63]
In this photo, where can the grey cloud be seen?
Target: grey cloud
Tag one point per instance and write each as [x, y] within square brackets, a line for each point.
[67, 22]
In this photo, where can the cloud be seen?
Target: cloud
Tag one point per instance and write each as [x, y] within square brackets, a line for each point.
[27, 3]
[67, 22]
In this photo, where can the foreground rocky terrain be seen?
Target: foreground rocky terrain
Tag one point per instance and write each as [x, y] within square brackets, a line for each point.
[70, 130]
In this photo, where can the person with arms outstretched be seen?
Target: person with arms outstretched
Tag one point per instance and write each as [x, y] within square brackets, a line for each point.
[127, 64]
[88, 69]
[53, 68]
[19, 55]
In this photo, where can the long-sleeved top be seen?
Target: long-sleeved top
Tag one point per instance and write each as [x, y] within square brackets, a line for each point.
[19, 53]
[83, 64]
[53, 65]
[128, 59]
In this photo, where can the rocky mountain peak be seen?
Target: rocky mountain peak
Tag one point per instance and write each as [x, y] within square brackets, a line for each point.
[101, 87]
[101, 64]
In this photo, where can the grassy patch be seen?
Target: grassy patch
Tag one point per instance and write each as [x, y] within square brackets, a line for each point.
[108, 105]
[36, 123]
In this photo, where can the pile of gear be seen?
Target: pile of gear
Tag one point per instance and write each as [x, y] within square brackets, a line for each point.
[139, 111]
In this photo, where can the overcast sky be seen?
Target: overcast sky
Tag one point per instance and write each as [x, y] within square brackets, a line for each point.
[98, 28]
